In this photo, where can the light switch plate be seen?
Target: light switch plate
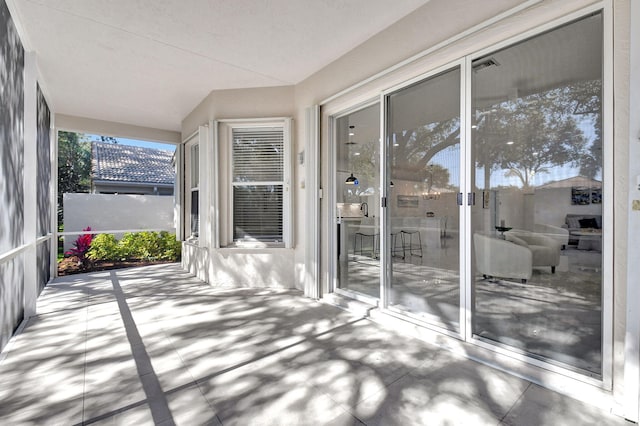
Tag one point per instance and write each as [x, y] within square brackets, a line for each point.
[635, 205]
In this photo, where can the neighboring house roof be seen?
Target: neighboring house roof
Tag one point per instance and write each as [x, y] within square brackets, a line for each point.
[125, 163]
[577, 181]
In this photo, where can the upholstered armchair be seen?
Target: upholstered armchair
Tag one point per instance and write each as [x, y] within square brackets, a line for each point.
[496, 257]
[545, 250]
[516, 255]
[561, 235]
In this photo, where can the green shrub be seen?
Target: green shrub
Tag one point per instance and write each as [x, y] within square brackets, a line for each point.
[147, 246]
[139, 245]
[171, 248]
[104, 247]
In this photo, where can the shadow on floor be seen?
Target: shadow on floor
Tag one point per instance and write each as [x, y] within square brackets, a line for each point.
[154, 345]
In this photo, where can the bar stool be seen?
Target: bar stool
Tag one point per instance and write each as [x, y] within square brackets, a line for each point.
[411, 228]
[367, 231]
[396, 232]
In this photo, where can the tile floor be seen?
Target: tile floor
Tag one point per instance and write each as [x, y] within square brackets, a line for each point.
[556, 316]
[156, 346]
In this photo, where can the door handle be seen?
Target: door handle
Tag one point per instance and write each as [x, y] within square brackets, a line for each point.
[471, 199]
[459, 198]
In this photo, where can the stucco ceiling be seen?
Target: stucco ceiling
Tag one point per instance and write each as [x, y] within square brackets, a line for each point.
[150, 62]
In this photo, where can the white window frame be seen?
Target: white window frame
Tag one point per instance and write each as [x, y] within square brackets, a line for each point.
[190, 144]
[287, 202]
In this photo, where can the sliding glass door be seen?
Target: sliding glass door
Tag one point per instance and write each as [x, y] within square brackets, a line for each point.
[423, 133]
[357, 206]
[538, 229]
[493, 226]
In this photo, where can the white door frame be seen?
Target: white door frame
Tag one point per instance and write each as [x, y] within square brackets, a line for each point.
[565, 379]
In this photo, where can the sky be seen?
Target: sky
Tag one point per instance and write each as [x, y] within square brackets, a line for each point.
[134, 142]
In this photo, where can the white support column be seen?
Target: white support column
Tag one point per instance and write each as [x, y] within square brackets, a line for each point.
[312, 203]
[632, 338]
[204, 143]
[214, 186]
[53, 197]
[289, 186]
[30, 161]
[178, 190]
[385, 196]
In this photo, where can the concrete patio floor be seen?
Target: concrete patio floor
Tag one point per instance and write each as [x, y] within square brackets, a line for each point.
[154, 345]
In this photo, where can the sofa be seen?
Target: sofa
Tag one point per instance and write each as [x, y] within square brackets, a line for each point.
[578, 222]
[516, 255]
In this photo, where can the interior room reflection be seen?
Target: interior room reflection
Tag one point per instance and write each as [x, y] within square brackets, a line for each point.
[536, 236]
[537, 230]
[424, 163]
[357, 201]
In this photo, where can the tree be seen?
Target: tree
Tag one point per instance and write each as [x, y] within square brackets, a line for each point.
[437, 177]
[589, 103]
[108, 139]
[413, 151]
[74, 165]
[524, 137]
[366, 165]
[532, 134]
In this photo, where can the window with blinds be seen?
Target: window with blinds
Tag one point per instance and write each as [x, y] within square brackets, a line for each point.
[194, 189]
[258, 184]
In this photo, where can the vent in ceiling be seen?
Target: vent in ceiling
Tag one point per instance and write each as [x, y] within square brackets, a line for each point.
[480, 64]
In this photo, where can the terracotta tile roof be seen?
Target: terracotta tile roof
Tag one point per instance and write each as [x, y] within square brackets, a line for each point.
[125, 163]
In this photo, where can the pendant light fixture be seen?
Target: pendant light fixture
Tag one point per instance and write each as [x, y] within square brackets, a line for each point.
[351, 180]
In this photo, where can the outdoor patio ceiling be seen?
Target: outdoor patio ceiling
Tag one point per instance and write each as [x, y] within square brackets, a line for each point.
[150, 63]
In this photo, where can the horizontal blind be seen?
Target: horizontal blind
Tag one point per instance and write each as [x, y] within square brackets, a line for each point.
[258, 154]
[257, 213]
[258, 174]
[195, 166]
[195, 214]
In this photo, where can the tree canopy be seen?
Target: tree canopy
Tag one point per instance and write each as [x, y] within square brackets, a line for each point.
[525, 137]
[74, 165]
[537, 132]
[108, 139]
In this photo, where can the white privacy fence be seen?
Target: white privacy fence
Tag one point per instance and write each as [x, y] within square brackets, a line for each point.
[115, 214]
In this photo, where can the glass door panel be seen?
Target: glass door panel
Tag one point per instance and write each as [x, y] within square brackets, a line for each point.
[423, 130]
[357, 148]
[537, 225]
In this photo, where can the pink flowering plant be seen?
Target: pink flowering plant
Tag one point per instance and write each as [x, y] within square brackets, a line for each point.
[81, 246]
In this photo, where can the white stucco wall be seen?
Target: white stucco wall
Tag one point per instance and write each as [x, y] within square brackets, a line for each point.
[265, 267]
[116, 212]
[632, 343]
[553, 204]
[240, 103]
[240, 267]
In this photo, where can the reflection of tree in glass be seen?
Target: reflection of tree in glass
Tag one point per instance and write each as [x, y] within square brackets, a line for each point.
[413, 150]
[437, 177]
[366, 164]
[588, 98]
[532, 134]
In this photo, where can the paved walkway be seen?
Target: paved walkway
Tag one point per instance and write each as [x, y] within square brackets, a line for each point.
[154, 345]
